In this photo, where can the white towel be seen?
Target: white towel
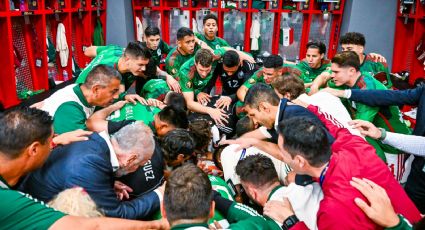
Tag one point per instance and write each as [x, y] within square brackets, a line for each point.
[61, 45]
[255, 34]
[139, 31]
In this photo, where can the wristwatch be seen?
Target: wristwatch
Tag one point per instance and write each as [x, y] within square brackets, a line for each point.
[289, 222]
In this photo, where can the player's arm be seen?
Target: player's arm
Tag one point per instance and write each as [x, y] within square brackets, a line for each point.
[320, 82]
[91, 51]
[241, 93]
[97, 121]
[73, 222]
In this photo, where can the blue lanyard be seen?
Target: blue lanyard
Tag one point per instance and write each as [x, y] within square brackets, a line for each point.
[323, 173]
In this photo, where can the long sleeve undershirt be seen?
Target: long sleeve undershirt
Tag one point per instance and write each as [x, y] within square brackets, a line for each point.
[407, 143]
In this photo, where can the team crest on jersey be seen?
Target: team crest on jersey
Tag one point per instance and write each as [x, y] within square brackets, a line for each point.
[189, 84]
[158, 51]
[173, 71]
[251, 81]
[217, 46]
[240, 75]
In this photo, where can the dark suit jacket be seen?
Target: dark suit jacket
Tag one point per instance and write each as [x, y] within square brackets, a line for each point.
[415, 97]
[86, 164]
[415, 185]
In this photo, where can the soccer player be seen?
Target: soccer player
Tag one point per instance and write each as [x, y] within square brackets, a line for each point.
[134, 63]
[188, 203]
[185, 50]
[260, 181]
[272, 67]
[353, 41]
[210, 22]
[232, 73]
[155, 44]
[346, 72]
[314, 64]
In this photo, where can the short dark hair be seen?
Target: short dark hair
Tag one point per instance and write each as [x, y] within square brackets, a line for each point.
[304, 136]
[244, 125]
[258, 170]
[174, 116]
[201, 132]
[317, 45]
[261, 92]
[353, 38]
[289, 83]
[204, 57]
[175, 142]
[183, 32]
[22, 126]
[210, 16]
[137, 49]
[177, 100]
[273, 61]
[188, 194]
[231, 58]
[152, 31]
[347, 59]
[101, 75]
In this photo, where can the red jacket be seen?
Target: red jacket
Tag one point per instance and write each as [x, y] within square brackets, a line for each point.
[354, 157]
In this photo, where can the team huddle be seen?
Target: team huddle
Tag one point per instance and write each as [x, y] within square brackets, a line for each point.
[203, 136]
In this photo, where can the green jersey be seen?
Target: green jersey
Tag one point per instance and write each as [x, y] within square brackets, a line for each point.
[372, 68]
[190, 80]
[221, 187]
[388, 117]
[136, 112]
[107, 55]
[163, 48]
[216, 43]
[175, 60]
[21, 211]
[69, 109]
[259, 77]
[156, 89]
[404, 224]
[240, 217]
[308, 74]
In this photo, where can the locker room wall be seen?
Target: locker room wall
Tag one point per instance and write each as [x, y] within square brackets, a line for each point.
[376, 20]
[119, 18]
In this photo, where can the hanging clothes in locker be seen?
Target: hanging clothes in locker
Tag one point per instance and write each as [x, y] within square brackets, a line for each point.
[98, 39]
[140, 29]
[62, 45]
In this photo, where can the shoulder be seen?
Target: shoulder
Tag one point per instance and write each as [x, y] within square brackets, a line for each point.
[366, 81]
[370, 60]
[70, 108]
[172, 55]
